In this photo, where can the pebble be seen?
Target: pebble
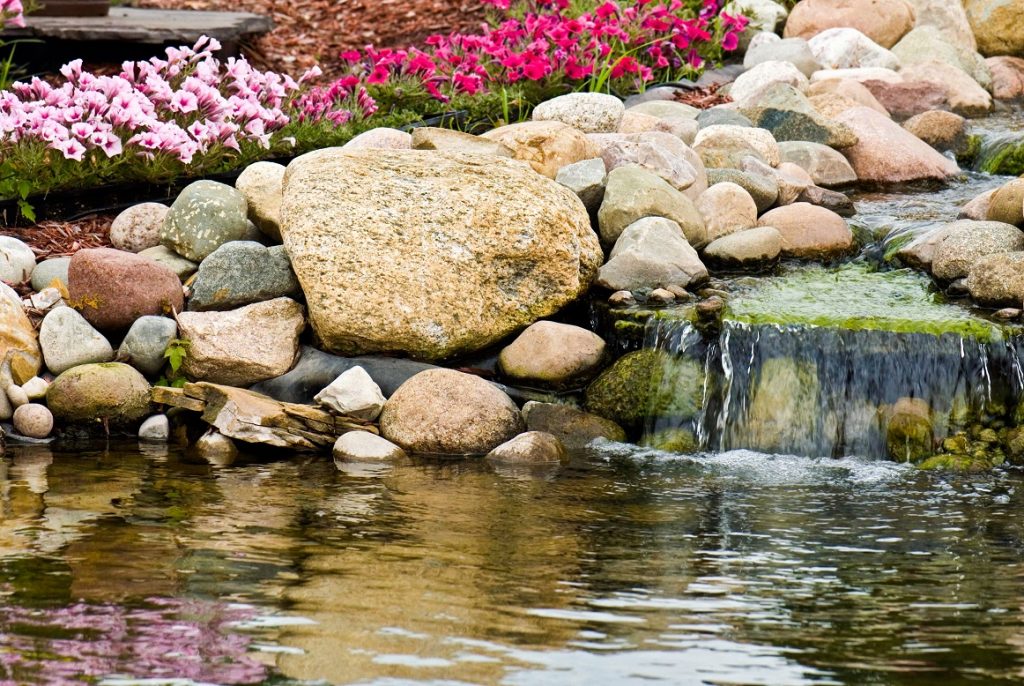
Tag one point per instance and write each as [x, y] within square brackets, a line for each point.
[33, 420]
[156, 429]
[661, 296]
[621, 299]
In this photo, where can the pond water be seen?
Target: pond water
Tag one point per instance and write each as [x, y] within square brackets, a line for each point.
[129, 564]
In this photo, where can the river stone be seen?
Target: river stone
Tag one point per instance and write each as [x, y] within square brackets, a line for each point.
[784, 405]
[666, 109]
[1007, 203]
[808, 231]
[450, 140]
[550, 354]
[848, 48]
[651, 253]
[883, 21]
[963, 94]
[848, 89]
[447, 412]
[16, 260]
[176, 263]
[18, 334]
[997, 279]
[35, 388]
[927, 43]
[260, 183]
[55, 268]
[725, 152]
[138, 227]
[726, 209]
[243, 346]
[763, 190]
[532, 447]
[573, 427]
[647, 383]
[586, 112]
[363, 446]
[380, 138]
[33, 420]
[969, 241]
[720, 116]
[752, 247]
[790, 116]
[155, 429]
[633, 192]
[949, 18]
[909, 432]
[240, 273]
[68, 340]
[887, 153]
[547, 146]
[661, 153]
[998, 26]
[792, 50]
[790, 179]
[825, 166]
[586, 179]
[977, 208]
[748, 89]
[216, 449]
[205, 215]
[939, 129]
[1007, 77]
[353, 394]
[637, 122]
[830, 200]
[759, 140]
[144, 345]
[433, 254]
[113, 288]
[108, 391]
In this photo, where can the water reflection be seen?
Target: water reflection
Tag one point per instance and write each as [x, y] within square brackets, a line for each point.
[628, 566]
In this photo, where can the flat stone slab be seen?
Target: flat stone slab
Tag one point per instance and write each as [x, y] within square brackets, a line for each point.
[155, 26]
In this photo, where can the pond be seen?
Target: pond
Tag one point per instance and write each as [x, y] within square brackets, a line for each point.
[132, 564]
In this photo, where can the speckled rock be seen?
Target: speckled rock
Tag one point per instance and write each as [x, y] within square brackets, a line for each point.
[447, 412]
[587, 180]
[637, 122]
[752, 247]
[17, 333]
[939, 129]
[381, 138]
[449, 256]
[997, 279]
[998, 26]
[260, 184]
[108, 391]
[963, 94]
[848, 48]
[450, 140]
[790, 116]
[826, 166]
[33, 420]
[977, 208]
[205, 216]
[926, 43]
[883, 21]
[809, 231]
[949, 18]
[363, 446]
[726, 209]
[176, 263]
[764, 190]
[1007, 203]
[547, 146]
[532, 447]
[138, 227]
[887, 153]
[969, 241]
[68, 340]
[652, 252]
[759, 140]
[587, 112]
[633, 192]
[552, 355]
[904, 99]
[144, 345]
[659, 152]
[240, 273]
[16, 260]
[1007, 77]
[848, 89]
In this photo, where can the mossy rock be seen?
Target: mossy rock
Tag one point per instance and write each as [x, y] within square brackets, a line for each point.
[1008, 160]
[958, 462]
[111, 391]
[969, 150]
[909, 432]
[784, 405]
[678, 440]
[647, 383]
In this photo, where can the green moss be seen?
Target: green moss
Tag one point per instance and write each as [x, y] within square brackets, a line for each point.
[970, 150]
[856, 297]
[678, 440]
[962, 463]
[1007, 159]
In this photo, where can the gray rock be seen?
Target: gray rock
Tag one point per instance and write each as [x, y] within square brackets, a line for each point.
[67, 340]
[353, 394]
[753, 83]
[792, 50]
[138, 227]
[241, 273]
[753, 247]
[658, 152]
[532, 447]
[651, 252]
[144, 345]
[830, 200]
[588, 112]
[156, 429]
[16, 260]
[586, 179]
[48, 270]
[205, 216]
[720, 116]
[790, 116]
[968, 242]
[363, 446]
[172, 260]
[764, 190]
[573, 427]
[260, 183]
[826, 166]
[216, 448]
[633, 192]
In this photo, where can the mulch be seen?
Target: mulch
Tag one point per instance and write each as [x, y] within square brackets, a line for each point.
[63, 238]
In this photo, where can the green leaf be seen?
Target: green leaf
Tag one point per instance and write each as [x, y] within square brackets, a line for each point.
[27, 210]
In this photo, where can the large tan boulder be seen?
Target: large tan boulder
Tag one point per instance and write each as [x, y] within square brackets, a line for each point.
[431, 254]
[883, 21]
[887, 153]
[551, 354]
[809, 231]
[17, 332]
[547, 146]
[998, 26]
[447, 412]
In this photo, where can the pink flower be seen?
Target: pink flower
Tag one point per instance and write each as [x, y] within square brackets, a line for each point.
[183, 102]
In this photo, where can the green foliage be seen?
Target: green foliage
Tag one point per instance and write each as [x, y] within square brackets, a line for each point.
[175, 354]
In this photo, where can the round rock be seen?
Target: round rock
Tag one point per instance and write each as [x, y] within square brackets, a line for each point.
[156, 429]
[809, 231]
[752, 247]
[967, 241]
[68, 340]
[532, 447]
[33, 420]
[261, 184]
[138, 227]
[47, 271]
[144, 345]
[588, 112]
[726, 209]
[205, 216]
[363, 446]
[89, 392]
[551, 354]
[16, 260]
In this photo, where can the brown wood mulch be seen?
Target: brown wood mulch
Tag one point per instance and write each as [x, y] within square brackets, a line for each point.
[704, 97]
[63, 238]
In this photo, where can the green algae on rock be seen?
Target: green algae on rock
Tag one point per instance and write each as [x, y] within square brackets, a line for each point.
[110, 391]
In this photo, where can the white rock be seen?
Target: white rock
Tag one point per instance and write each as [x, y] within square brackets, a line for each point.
[45, 299]
[847, 48]
[138, 227]
[761, 140]
[17, 396]
[34, 421]
[68, 340]
[353, 394]
[751, 83]
[156, 428]
[217, 449]
[860, 75]
[588, 112]
[16, 260]
[363, 446]
[35, 388]
[765, 15]
[381, 138]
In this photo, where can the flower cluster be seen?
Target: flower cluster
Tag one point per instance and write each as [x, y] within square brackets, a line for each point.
[185, 105]
[12, 13]
[631, 43]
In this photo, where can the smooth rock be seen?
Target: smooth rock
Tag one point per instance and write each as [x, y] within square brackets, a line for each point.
[752, 247]
[720, 116]
[546, 146]
[759, 140]
[144, 345]
[1007, 77]
[746, 90]
[353, 394]
[35, 388]
[138, 227]
[1007, 203]
[381, 138]
[969, 241]
[792, 50]
[216, 448]
[949, 18]
[450, 140]
[726, 209]
[68, 340]
[205, 216]
[887, 153]
[808, 231]
[176, 263]
[633, 193]
[587, 180]
[963, 93]
[586, 112]
[363, 446]
[789, 115]
[904, 99]
[113, 288]
[108, 391]
[830, 200]
[243, 346]
[240, 273]
[156, 429]
[447, 412]
[764, 190]
[433, 254]
[33, 420]
[997, 279]
[661, 153]
[16, 260]
[666, 109]
[637, 122]
[553, 355]
[847, 89]
[977, 208]
[18, 334]
[939, 129]
[652, 252]
[826, 166]
[848, 48]
[48, 271]
[260, 184]
[532, 447]
[574, 428]
[998, 26]
[789, 179]
[883, 21]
